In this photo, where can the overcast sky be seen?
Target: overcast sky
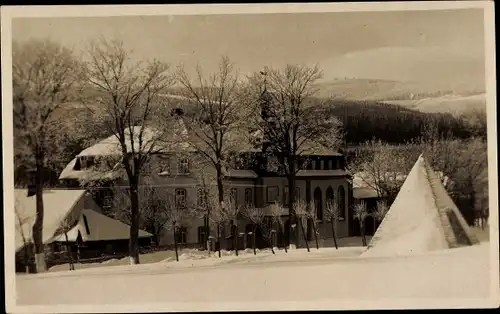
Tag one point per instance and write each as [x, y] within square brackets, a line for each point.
[425, 46]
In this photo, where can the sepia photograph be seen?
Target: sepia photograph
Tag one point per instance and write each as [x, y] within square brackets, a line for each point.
[250, 157]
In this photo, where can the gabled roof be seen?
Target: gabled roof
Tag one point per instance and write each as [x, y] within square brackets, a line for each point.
[100, 227]
[58, 204]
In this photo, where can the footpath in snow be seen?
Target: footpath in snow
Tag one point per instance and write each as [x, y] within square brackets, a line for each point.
[456, 274]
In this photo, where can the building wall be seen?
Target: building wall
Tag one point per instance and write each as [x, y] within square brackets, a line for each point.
[343, 224]
[172, 179]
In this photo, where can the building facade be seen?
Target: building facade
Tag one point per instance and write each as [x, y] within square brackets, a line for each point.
[321, 178]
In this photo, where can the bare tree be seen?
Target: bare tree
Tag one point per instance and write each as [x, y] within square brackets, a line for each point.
[231, 211]
[276, 212]
[463, 162]
[360, 214]
[382, 167]
[156, 202]
[217, 217]
[43, 76]
[292, 122]
[65, 225]
[379, 213]
[332, 215]
[217, 127]
[21, 221]
[179, 213]
[208, 202]
[128, 99]
[256, 216]
[302, 212]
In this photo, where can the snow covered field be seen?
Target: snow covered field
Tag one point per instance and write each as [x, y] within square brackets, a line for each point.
[320, 279]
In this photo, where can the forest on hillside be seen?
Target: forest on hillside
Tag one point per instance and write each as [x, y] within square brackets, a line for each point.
[395, 124]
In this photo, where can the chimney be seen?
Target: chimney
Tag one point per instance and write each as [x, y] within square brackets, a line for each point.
[31, 190]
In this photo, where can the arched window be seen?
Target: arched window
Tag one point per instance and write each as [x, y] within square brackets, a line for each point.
[341, 200]
[318, 203]
[329, 195]
[234, 196]
[248, 197]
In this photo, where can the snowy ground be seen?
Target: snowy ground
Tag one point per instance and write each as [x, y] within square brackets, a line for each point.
[327, 278]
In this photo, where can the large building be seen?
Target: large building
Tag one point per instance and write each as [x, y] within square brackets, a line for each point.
[175, 171]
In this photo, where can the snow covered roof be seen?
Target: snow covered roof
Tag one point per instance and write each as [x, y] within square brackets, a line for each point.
[69, 172]
[100, 228]
[58, 204]
[364, 192]
[152, 139]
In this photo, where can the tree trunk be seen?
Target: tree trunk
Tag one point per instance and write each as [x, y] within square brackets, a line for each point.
[218, 239]
[175, 244]
[281, 230]
[235, 238]
[253, 241]
[272, 246]
[68, 248]
[134, 224]
[333, 234]
[315, 235]
[38, 225]
[291, 207]
[303, 233]
[363, 239]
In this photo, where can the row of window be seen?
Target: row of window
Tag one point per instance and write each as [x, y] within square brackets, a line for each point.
[323, 164]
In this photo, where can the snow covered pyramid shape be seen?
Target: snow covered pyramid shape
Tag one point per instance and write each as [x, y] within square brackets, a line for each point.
[422, 218]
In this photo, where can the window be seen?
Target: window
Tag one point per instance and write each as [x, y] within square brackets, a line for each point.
[234, 196]
[202, 234]
[90, 161]
[318, 203]
[313, 165]
[248, 197]
[107, 201]
[181, 235]
[322, 162]
[200, 197]
[317, 165]
[273, 194]
[329, 195]
[341, 200]
[330, 164]
[180, 198]
[183, 166]
[164, 166]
